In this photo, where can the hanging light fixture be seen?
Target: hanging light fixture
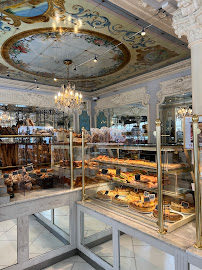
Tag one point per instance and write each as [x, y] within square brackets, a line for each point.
[67, 100]
[183, 111]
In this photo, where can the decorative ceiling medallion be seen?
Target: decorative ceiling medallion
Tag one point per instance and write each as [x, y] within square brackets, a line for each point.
[32, 11]
[41, 52]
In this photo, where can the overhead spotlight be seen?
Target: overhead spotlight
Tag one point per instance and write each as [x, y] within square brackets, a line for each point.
[95, 59]
[75, 68]
[55, 79]
[34, 80]
[37, 87]
[143, 33]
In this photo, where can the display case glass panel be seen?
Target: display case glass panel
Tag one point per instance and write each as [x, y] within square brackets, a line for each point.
[97, 236]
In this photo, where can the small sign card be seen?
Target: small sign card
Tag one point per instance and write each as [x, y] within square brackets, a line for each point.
[152, 197]
[185, 204]
[118, 171]
[28, 169]
[43, 170]
[6, 175]
[104, 171]
[146, 193]
[15, 173]
[116, 196]
[146, 199]
[106, 192]
[137, 177]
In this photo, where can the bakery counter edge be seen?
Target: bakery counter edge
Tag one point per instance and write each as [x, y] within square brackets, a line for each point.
[45, 201]
[181, 240]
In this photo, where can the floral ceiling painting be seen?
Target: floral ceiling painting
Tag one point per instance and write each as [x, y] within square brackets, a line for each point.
[37, 36]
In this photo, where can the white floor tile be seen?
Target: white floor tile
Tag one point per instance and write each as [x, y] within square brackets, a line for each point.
[137, 242]
[61, 265]
[82, 266]
[8, 252]
[147, 257]
[7, 225]
[62, 222]
[35, 229]
[128, 264]
[61, 211]
[105, 249]
[75, 258]
[108, 259]
[10, 235]
[45, 242]
[126, 246]
[91, 223]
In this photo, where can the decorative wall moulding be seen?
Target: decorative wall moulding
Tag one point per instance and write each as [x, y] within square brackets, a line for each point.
[173, 87]
[126, 98]
[171, 69]
[28, 99]
[26, 86]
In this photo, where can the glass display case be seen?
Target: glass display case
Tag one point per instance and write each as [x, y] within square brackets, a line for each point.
[150, 183]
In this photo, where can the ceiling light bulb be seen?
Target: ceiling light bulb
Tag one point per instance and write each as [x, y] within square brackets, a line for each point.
[59, 94]
[76, 29]
[37, 87]
[71, 93]
[77, 94]
[143, 33]
[56, 97]
[80, 95]
[54, 26]
[57, 18]
[95, 59]
[80, 22]
[55, 79]
[69, 18]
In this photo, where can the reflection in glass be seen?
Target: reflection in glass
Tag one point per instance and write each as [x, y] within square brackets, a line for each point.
[43, 237]
[61, 218]
[8, 243]
[97, 236]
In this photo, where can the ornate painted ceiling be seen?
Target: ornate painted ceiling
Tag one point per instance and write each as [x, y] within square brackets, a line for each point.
[37, 36]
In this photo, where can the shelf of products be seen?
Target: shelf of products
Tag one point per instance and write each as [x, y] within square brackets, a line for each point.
[132, 184]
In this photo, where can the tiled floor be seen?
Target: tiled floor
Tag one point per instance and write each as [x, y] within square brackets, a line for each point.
[73, 263]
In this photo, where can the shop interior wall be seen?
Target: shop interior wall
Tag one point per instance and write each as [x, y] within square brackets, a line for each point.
[152, 87]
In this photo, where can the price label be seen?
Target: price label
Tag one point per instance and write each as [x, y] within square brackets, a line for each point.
[28, 169]
[104, 171]
[106, 192]
[118, 171]
[185, 204]
[156, 207]
[116, 196]
[43, 170]
[146, 193]
[137, 177]
[6, 175]
[152, 197]
[20, 171]
[146, 199]
[15, 173]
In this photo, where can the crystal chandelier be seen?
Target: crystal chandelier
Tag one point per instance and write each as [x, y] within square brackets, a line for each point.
[67, 100]
[183, 111]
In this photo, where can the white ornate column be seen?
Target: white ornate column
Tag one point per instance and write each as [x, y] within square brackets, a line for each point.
[187, 20]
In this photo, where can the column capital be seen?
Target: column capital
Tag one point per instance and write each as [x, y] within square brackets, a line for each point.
[187, 20]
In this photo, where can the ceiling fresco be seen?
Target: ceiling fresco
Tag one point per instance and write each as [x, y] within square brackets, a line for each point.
[37, 36]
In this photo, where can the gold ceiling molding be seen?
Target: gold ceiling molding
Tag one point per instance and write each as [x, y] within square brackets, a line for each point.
[53, 7]
[9, 42]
